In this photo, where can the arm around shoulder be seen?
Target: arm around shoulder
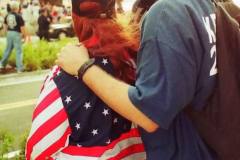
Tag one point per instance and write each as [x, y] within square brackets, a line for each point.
[115, 93]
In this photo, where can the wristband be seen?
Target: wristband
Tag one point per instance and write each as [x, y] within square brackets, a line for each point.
[85, 66]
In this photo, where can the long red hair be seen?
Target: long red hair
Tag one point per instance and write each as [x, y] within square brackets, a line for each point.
[113, 40]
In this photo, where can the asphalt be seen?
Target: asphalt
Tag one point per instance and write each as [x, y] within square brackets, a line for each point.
[11, 77]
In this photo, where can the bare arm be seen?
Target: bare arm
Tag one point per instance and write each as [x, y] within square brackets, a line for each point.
[23, 31]
[110, 90]
[5, 26]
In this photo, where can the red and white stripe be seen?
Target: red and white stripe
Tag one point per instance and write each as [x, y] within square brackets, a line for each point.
[128, 147]
[50, 127]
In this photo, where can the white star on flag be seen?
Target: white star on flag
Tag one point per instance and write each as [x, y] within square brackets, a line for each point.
[87, 105]
[78, 126]
[79, 145]
[105, 112]
[94, 132]
[58, 72]
[68, 99]
[76, 77]
[109, 141]
[104, 61]
[115, 120]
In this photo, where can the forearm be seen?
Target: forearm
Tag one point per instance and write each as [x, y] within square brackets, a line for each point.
[23, 31]
[115, 94]
[5, 26]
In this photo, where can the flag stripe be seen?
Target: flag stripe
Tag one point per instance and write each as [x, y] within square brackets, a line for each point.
[124, 153]
[50, 139]
[63, 156]
[50, 87]
[98, 151]
[55, 73]
[55, 147]
[136, 156]
[121, 145]
[45, 129]
[46, 102]
[49, 76]
[44, 116]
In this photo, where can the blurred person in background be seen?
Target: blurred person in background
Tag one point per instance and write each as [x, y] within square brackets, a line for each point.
[43, 24]
[60, 10]
[35, 11]
[4, 11]
[1, 21]
[8, 8]
[55, 13]
[48, 6]
[69, 10]
[15, 32]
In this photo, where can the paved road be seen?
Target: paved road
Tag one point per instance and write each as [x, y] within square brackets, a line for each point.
[18, 97]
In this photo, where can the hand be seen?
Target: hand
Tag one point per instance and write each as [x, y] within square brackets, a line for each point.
[24, 39]
[72, 57]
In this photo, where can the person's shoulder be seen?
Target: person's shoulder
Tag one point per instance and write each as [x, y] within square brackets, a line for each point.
[180, 4]
[19, 16]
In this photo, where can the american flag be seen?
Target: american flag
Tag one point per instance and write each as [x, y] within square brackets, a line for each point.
[71, 123]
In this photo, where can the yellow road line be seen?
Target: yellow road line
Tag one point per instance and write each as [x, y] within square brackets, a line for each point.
[18, 104]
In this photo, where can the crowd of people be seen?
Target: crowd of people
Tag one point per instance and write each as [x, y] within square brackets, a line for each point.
[32, 11]
[15, 16]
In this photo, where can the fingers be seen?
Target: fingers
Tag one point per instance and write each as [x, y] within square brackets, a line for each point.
[57, 60]
[79, 44]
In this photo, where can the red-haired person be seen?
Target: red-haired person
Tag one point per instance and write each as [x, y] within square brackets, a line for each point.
[70, 122]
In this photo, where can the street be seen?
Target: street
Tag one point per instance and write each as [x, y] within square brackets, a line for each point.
[18, 97]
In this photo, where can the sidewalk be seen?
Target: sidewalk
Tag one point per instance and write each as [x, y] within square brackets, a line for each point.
[17, 78]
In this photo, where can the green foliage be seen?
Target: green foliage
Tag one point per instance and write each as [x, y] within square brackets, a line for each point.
[6, 143]
[21, 155]
[38, 55]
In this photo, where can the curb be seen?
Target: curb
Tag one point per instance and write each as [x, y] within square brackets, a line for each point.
[11, 154]
[17, 78]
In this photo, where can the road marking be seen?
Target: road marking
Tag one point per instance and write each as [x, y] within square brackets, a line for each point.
[18, 104]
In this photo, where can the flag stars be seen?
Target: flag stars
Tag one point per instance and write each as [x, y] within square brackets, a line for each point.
[109, 141]
[105, 112]
[68, 99]
[104, 61]
[115, 120]
[87, 105]
[78, 126]
[94, 132]
[76, 77]
[78, 145]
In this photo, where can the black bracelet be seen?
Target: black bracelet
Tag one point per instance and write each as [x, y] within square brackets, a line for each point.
[85, 66]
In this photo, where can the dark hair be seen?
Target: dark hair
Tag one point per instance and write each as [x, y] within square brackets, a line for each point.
[42, 10]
